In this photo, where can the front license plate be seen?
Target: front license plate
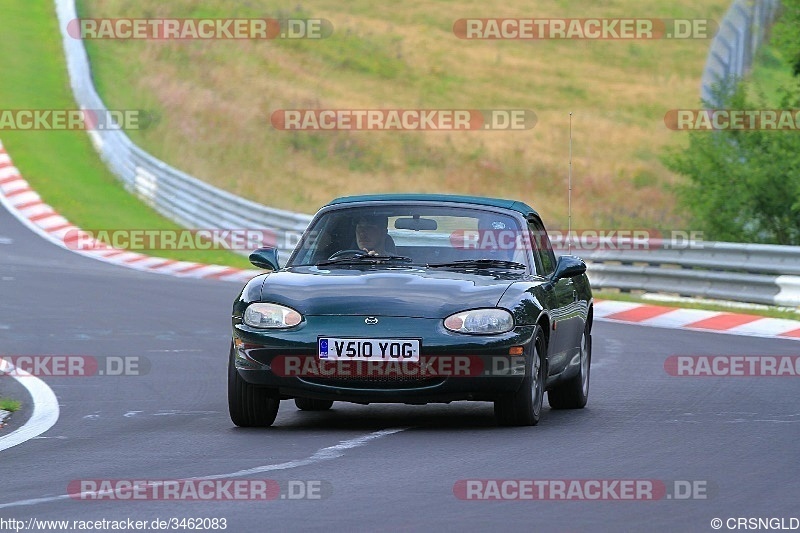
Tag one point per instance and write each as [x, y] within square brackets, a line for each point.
[337, 349]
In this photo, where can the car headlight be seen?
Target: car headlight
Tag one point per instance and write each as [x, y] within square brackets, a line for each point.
[261, 315]
[480, 321]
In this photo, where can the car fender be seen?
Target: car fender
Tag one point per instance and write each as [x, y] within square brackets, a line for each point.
[250, 293]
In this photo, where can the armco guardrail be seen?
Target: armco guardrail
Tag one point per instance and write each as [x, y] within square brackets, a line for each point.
[742, 272]
[756, 273]
[741, 32]
[175, 194]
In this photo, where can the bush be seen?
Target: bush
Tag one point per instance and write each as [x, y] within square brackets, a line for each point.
[742, 186]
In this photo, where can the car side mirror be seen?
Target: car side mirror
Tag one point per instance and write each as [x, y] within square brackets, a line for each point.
[266, 258]
[568, 266]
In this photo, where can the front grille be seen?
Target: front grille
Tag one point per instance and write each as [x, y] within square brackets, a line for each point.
[372, 382]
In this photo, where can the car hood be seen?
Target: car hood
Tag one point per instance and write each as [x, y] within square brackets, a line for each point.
[407, 292]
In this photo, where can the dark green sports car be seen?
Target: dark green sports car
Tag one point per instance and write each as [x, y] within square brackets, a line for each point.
[414, 299]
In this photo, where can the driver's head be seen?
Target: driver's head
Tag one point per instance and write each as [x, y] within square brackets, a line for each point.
[371, 232]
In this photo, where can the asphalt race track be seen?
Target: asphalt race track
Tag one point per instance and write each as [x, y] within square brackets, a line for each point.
[373, 467]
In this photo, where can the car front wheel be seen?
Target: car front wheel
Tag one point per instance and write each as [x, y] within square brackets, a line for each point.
[248, 405]
[524, 407]
[574, 393]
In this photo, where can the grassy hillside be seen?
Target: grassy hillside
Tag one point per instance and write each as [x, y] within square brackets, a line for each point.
[214, 99]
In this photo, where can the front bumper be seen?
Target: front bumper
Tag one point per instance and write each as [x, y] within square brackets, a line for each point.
[453, 366]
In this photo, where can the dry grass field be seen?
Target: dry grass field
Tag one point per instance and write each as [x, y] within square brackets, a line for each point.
[214, 100]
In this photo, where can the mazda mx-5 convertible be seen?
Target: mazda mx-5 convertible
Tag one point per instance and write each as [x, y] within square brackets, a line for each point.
[414, 299]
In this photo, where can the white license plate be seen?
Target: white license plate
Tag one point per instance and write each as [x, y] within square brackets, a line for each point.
[337, 349]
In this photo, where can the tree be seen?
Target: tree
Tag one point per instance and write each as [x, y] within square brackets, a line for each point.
[786, 33]
[743, 186]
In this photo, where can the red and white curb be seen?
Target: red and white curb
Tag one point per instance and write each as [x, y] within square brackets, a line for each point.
[26, 205]
[696, 319]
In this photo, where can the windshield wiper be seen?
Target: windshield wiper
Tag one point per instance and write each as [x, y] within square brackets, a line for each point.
[479, 263]
[365, 258]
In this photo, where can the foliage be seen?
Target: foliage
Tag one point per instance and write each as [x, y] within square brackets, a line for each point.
[7, 404]
[786, 33]
[743, 186]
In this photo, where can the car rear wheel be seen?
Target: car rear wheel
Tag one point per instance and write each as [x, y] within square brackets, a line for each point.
[249, 405]
[311, 404]
[574, 393]
[524, 408]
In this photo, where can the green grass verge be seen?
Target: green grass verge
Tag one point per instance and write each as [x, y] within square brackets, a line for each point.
[62, 165]
[7, 404]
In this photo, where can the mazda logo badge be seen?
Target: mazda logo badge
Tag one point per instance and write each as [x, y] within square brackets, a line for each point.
[370, 320]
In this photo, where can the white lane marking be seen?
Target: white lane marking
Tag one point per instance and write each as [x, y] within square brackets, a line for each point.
[6, 240]
[323, 454]
[45, 407]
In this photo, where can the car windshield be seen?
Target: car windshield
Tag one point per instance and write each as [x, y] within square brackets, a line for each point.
[423, 235]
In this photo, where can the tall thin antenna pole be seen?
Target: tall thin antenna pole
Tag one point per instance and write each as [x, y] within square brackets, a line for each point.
[569, 193]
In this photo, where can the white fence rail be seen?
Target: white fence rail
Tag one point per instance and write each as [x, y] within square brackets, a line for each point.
[741, 272]
[755, 273]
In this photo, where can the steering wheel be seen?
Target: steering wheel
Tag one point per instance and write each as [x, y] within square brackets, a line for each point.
[341, 253]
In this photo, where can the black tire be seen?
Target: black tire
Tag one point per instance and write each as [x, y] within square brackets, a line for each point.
[311, 404]
[574, 393]
[248, 405]
[524, 407]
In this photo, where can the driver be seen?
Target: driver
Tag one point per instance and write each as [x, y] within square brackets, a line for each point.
[371, 234]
